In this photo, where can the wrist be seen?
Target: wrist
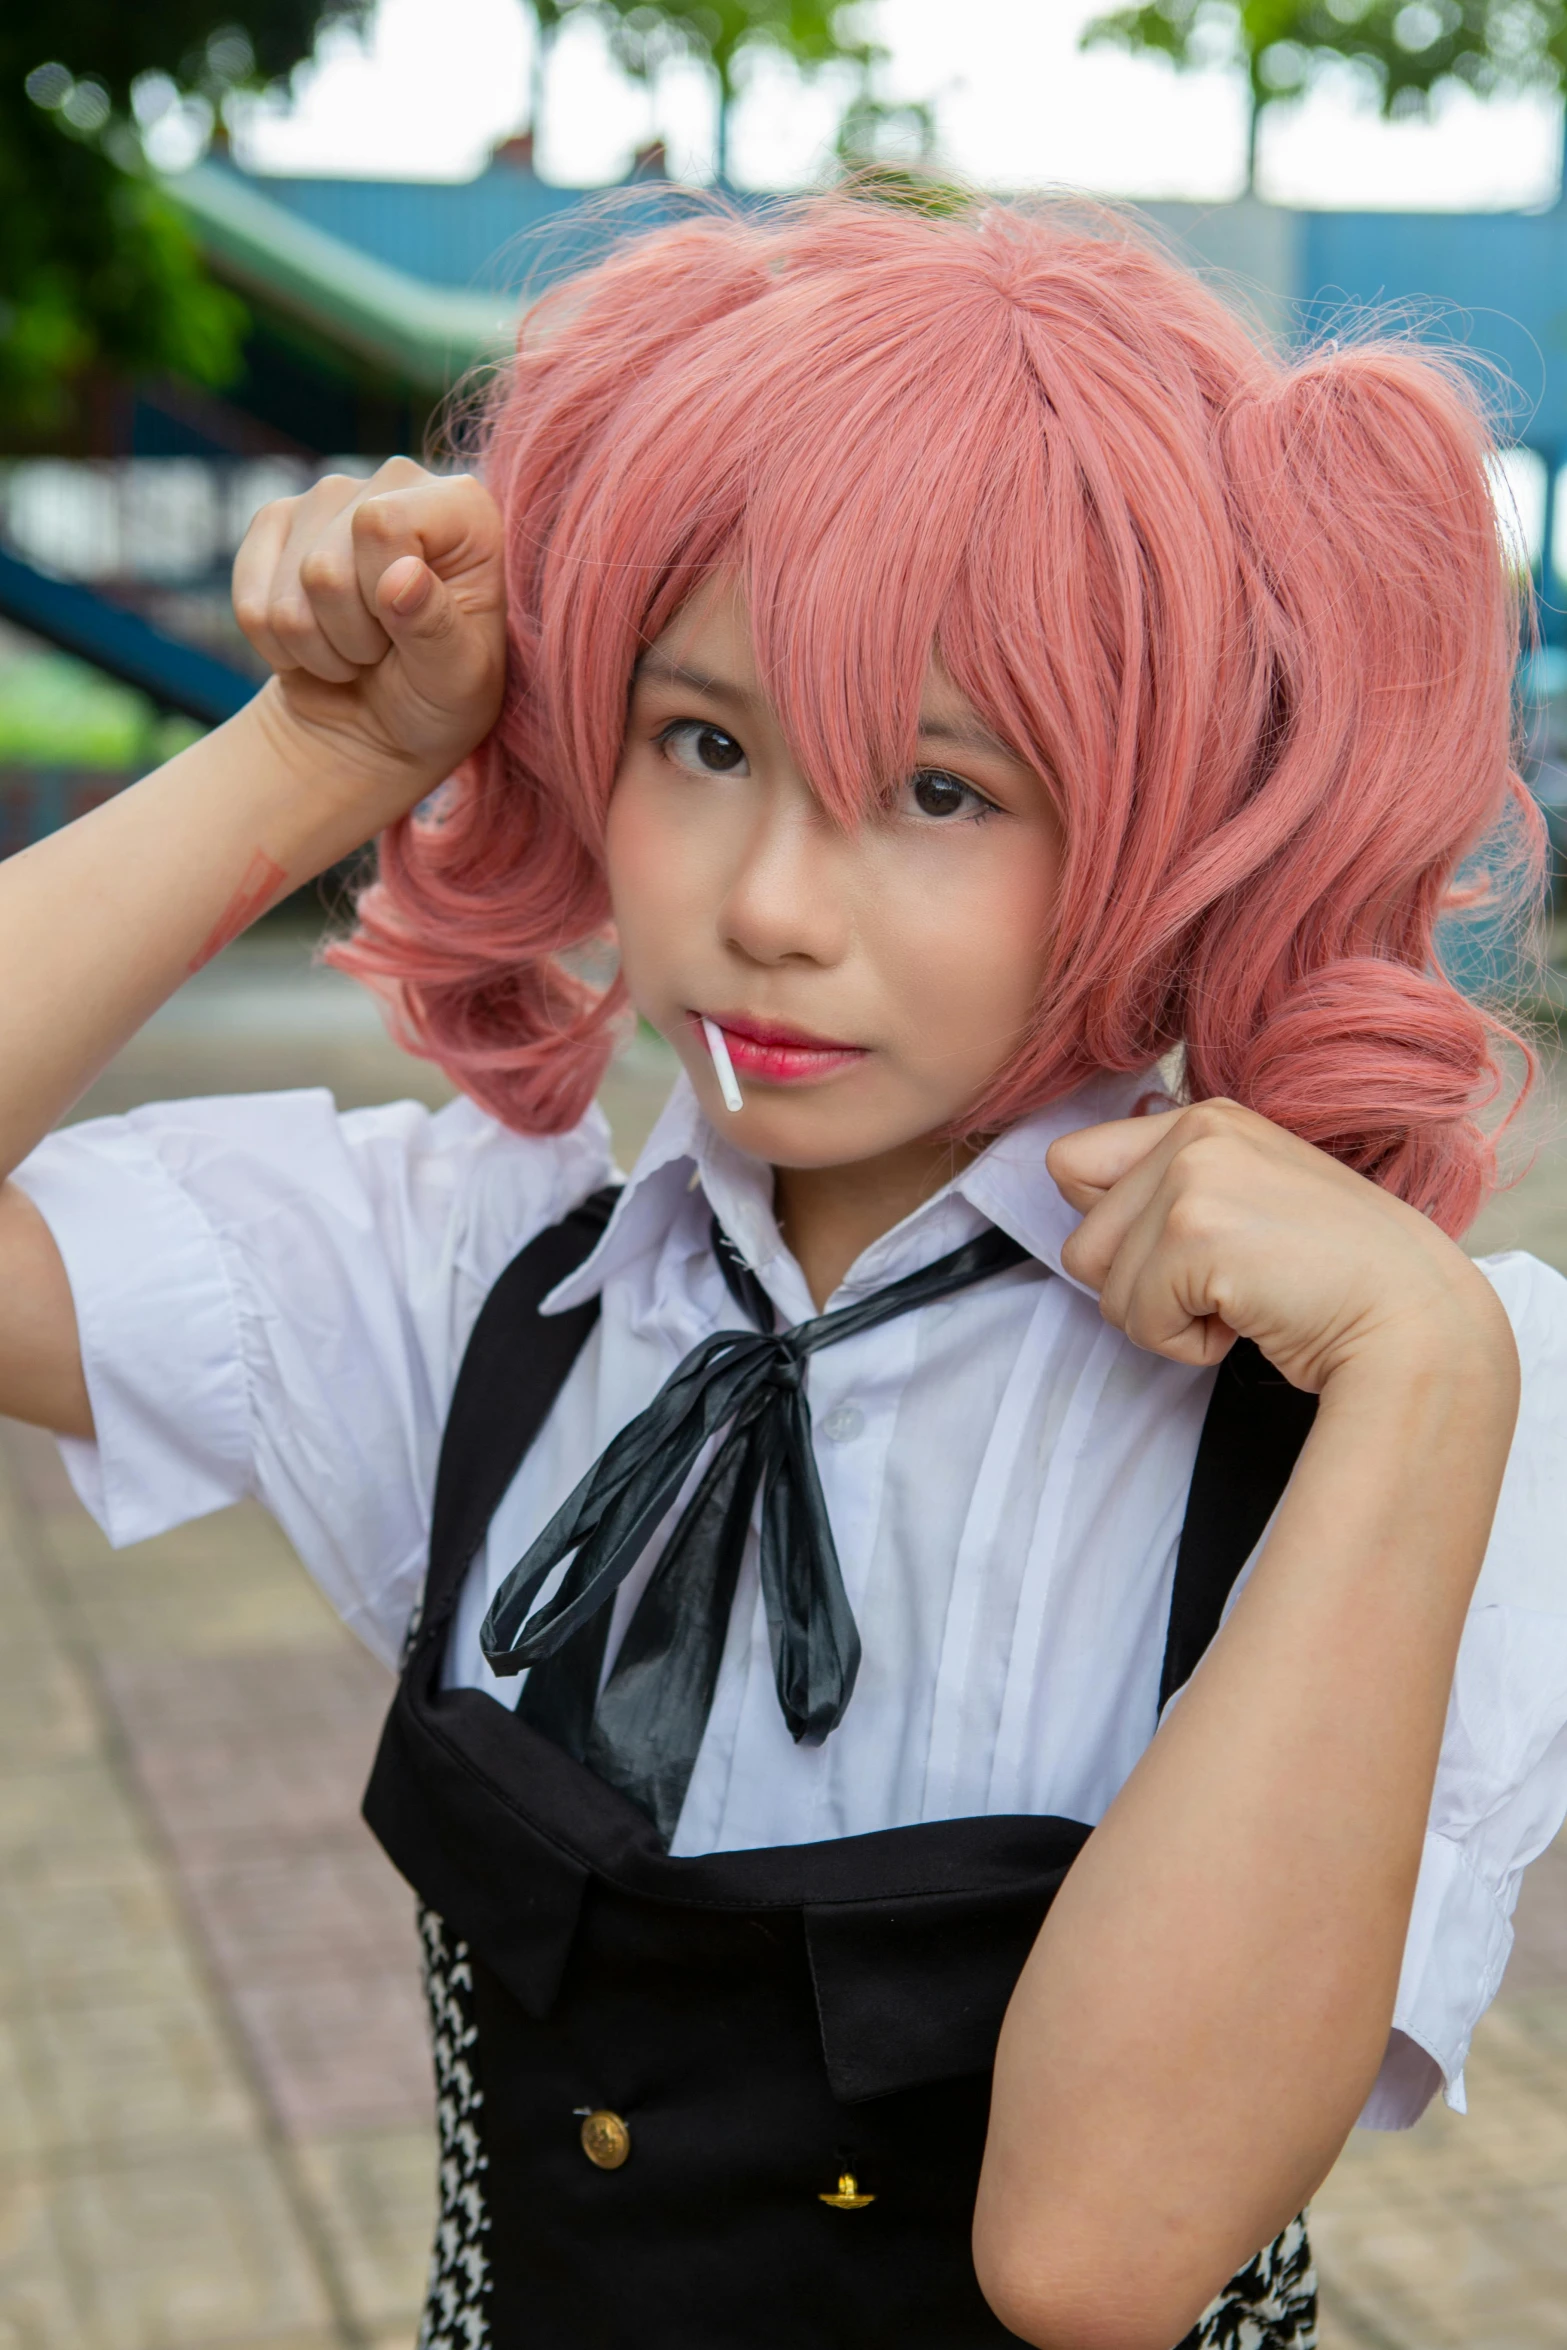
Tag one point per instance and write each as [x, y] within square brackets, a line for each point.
[1452, 1364]
[329, 788]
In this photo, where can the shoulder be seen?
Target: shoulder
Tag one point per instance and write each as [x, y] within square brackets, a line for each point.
[458, 1171]
[273, 1297]
[250, 1157]
[1501, 1784]
[1526, 1564]
[1535, 1296]
[392, 1222]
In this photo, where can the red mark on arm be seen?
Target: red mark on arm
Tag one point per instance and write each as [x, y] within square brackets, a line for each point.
[258, 886]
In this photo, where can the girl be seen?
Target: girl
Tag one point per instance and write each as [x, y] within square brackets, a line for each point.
[962, 669]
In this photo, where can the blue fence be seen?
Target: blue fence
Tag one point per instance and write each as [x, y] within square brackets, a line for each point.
[174, 674]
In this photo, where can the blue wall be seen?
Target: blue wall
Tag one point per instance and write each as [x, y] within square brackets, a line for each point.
[1498, 281]
[503, 229]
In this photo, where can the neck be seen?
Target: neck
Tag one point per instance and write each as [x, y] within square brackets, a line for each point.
[830, 1215]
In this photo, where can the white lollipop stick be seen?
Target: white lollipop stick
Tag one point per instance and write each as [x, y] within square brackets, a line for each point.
[723, 1067]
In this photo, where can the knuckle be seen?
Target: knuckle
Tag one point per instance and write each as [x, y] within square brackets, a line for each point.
[374, 518]
[290, 619]
[1190, 1217]
[274, 510]
[267, 528]
[1218, 1115]
[1204, 1163]
[324, 572]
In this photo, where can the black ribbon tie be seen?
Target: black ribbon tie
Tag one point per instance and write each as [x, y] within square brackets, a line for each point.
[641, 1731]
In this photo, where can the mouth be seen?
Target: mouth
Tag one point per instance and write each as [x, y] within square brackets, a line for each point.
[770, 1052]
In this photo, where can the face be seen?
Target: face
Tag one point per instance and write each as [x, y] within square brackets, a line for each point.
[870, 983]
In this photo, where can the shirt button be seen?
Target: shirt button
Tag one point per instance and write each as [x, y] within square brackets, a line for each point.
[843, 1423]
[606, 2141]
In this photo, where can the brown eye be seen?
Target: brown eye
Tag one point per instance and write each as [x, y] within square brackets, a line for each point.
[935, 793]
[703, 750]
[718, 750]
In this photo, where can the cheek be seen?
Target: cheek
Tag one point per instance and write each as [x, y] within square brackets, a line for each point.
[648, 877]
[969, 952]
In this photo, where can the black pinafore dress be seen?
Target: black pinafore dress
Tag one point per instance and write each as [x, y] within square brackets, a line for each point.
[736, 2102]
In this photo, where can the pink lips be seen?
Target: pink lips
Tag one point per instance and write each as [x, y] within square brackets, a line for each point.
[770, 1053]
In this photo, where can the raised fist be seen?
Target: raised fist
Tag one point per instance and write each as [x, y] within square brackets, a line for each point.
[381, 606]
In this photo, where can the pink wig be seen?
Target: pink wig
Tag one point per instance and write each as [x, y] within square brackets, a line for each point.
[1253, 620]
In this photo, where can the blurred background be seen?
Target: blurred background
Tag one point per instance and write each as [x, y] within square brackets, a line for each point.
[246, 241]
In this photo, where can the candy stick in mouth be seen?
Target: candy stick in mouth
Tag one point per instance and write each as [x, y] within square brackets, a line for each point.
[723, 1067]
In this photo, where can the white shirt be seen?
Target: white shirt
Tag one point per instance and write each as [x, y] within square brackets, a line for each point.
[274, 1300]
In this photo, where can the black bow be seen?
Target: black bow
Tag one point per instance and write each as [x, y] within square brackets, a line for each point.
[643, 1731]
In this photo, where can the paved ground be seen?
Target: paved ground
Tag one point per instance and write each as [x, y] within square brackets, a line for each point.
[214, 2102]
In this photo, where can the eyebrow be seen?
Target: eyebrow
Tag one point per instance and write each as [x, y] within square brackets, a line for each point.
[956, 733]
[717, 689]
[966, 738]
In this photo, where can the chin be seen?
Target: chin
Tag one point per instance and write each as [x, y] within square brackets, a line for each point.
[794, 1133]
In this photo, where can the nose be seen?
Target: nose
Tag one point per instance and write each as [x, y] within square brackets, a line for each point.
[788, 894]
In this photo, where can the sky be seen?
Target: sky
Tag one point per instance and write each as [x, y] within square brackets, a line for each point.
[433, 83]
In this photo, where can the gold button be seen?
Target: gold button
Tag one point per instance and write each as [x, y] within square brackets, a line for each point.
[848, 2197]
[606, 2141]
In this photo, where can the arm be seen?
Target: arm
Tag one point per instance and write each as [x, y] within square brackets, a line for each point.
[380, 606]
[1209, 2001]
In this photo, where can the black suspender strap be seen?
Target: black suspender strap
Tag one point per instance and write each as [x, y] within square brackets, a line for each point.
[1251, 1440]
[515, 1366]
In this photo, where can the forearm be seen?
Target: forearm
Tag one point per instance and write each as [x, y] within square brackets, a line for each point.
[103, 921]
[1207, 2006]
[381, 608]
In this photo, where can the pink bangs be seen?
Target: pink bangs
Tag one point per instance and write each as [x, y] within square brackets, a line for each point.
[1251, 621]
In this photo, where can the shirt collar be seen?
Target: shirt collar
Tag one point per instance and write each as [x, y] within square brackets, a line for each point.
[1008, 1185]
[1012, 1187]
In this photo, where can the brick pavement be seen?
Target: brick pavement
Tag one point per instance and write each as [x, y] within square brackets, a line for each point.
[214, 2096]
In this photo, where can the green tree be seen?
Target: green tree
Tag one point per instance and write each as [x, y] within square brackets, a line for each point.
[1407, 48]
[96, 269]
[722, 33]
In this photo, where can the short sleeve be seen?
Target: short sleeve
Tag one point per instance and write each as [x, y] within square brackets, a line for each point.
[1501, 1785]
[273, 1300]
